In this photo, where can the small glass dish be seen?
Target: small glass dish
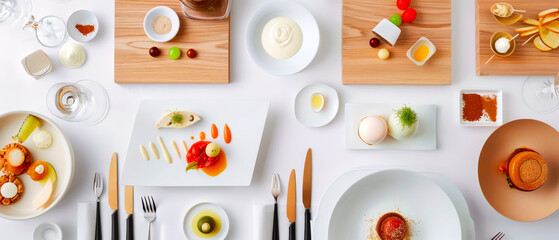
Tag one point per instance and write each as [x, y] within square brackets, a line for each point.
[422, 41]
[206, 9]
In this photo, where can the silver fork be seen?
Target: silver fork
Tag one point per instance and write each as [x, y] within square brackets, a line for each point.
[276, 189]
[98, 189]
[149, 211]
[498, 236]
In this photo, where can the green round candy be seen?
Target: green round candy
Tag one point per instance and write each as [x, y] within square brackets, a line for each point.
[174, 53]
[396, 19]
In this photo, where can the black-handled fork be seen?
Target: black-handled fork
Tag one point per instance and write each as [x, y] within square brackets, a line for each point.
[276, 190]
[98, 189]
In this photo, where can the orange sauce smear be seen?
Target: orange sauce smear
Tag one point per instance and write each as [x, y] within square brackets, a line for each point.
[214, 131]
[202, 136]
[226, 134]
[217, 168]
[192, 137]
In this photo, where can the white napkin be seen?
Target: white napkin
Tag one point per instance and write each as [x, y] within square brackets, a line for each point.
[86, 221]
[263, 219]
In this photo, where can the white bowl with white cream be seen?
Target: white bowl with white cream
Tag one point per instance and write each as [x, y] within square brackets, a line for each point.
[282, 37]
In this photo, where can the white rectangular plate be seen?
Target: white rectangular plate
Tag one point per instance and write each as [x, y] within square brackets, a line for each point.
[425, 138]
[246, 119]
[484, 121]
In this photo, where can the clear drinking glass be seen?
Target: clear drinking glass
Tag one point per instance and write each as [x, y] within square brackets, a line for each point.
[84, 101]
[541, 94]
[206, 9]
[50, 31]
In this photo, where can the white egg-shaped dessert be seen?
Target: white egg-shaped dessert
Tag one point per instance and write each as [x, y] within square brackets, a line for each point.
[402, 123]
[372, 129]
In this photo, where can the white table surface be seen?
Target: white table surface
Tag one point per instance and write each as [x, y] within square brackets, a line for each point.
[285, 140]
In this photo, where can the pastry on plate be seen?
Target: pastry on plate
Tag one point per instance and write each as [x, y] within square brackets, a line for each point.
[178, 119]
[15, 159]
[372, 129]
[526, 169]
[11, 189]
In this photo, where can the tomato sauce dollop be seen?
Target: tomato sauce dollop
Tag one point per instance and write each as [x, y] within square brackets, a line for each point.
[197, 153]
[391, 226]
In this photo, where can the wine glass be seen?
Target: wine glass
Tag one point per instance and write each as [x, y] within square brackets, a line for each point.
[541, 94]
[50, 31]
[84, 101]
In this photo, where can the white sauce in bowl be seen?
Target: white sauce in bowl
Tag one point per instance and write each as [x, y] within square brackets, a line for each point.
[282, 38]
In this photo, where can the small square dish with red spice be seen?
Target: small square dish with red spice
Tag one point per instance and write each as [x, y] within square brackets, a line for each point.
[481, 108]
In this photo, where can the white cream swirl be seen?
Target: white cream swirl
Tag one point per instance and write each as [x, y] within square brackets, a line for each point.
[72, 55]
[282, 38]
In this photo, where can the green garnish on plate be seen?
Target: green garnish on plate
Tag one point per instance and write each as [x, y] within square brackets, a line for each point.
[407, 116]
[177, 118]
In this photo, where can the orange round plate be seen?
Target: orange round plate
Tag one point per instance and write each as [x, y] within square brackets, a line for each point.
[512, 203]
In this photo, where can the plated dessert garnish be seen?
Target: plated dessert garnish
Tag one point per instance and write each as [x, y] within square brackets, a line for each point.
[392, 226]
[178, 119]
[207, 156]
[206, 224]
[38, 170]
[544, 30]
[27, 127]
[15, 159]
[372, 129]
[402, 123]
[525, 169]
[11, 189]
[42, 139]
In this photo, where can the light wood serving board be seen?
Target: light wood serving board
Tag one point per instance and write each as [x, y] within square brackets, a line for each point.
[133, 64]
[360, 62]
[526, 60]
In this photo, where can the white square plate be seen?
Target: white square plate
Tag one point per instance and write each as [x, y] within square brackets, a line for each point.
[425, 138]
[246, 119]
[484, 122]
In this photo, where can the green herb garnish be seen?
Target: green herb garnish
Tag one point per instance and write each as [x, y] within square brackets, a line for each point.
[407, 116]
[176, 118]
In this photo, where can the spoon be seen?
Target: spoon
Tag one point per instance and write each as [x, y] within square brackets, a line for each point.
[509, 7]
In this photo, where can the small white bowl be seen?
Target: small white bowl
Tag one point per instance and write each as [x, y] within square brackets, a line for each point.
[206, 206]
[152, 15]
[47, 231]
[421, 41]
[83, 17]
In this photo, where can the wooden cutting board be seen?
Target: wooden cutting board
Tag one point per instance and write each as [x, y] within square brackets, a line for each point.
[360, 62]
[526, 60]
[133, 64]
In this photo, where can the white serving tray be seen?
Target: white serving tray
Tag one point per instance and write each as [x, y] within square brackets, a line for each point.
[484, 122]
[425, 137]
[246, 119]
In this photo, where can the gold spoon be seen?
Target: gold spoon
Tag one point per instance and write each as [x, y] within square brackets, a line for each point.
[509, 7]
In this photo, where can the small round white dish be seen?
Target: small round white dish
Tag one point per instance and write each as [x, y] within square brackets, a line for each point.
[303, 108]
[161, 11]
[82, 17]
[47, 231]
[295, 12]
[206, 206]
[59, 155]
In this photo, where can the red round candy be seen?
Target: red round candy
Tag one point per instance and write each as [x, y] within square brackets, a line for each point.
[191, 53]
[374, 42]
[409, 15]
[403, 4]
[154, 51]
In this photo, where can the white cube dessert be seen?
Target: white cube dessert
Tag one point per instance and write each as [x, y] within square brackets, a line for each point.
[387, 31]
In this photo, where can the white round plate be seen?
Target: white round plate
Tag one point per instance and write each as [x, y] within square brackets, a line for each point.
[429, 211]
[83, 17]
[303, 108]
[152, 15]
[206, 206]
[309, 47]
[59, 155]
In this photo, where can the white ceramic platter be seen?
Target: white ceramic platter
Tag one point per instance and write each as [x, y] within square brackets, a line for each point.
[425, 137]
[343, 182]
[246, 119]
[429, 211]
[206, 206]
[303, 108]
[484, 122]
[308, 25]
[59, 155]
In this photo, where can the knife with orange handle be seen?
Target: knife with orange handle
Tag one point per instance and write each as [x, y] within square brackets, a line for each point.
[291, 204]
[307, 193]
